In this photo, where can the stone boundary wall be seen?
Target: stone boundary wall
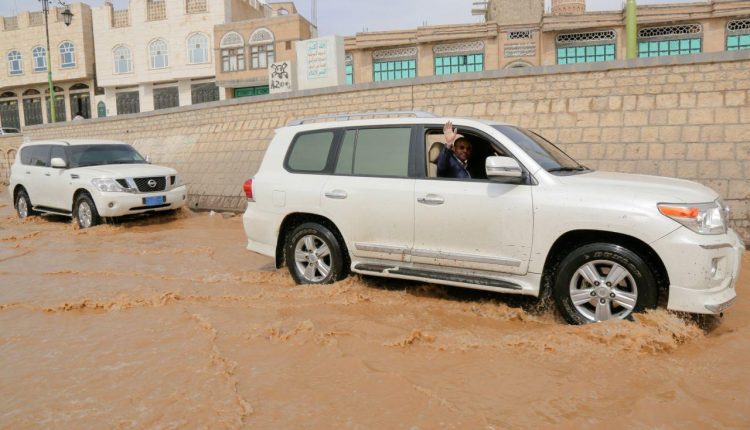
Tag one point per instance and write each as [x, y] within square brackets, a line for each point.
[683, 116]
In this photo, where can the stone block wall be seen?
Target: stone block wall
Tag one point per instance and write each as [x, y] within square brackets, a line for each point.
[685, 116]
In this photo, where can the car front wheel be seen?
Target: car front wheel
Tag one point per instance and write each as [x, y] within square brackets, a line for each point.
[602, 281]
[313, 255]
[85, 212]
[23, 205]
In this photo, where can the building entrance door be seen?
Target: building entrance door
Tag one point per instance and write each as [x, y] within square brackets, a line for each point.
[32, 111]
[59, 108]
[80, 103]
[9, 114]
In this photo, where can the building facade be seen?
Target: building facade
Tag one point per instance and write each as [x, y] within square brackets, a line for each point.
[519, 33]
[158, 54]
[247, 48]
[24, 89]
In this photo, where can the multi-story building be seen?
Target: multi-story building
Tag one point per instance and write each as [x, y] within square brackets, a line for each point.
[518, 33]
[158, 54]
[24, 89]
[247, 48]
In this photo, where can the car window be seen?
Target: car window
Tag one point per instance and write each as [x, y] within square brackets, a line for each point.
[309, 152]
[58, 152]
[38, 155]
[344, 165]
[97, 155]
[376, 152]
[26, 156]
[546, 154]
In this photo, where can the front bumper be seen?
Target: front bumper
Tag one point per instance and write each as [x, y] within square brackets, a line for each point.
[702, 269]
[119, 204]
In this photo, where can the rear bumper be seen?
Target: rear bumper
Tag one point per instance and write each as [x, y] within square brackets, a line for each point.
[119, 204]
[703, 270]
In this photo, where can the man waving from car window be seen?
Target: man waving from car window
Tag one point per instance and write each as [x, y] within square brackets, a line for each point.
[454, 157]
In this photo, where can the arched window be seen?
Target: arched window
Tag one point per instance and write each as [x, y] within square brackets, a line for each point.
[15, 63]
[197, 48]
[40, 58]
[159, 54]
[67, 55]
[261, 49]
[123, 60]
[232, 52]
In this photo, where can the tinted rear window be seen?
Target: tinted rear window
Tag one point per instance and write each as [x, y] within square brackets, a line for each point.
[376, 152]
[309, 152]
[37, 155]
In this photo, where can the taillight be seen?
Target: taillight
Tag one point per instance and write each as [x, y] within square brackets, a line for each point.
[248, 187]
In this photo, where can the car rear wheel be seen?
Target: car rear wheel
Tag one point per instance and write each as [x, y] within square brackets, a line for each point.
[314, 255]
[601, 281]
[85, 212]
[23, 205]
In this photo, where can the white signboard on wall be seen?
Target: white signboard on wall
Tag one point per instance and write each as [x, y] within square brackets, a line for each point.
[280, 77]
[320, 62]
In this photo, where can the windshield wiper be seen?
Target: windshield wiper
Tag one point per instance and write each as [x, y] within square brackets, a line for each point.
[569, 169]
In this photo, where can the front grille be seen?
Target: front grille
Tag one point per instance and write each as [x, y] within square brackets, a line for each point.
[144, 187]
[123, 183]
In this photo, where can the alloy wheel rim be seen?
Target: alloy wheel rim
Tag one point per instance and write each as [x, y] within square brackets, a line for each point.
[84, 215]
[23, 208]
[602, 290]
[312, 258]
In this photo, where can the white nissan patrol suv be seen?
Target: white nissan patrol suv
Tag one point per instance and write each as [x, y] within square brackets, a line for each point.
[364, 196]
[90, 179]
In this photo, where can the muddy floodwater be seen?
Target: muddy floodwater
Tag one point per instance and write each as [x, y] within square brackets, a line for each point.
[168, 322]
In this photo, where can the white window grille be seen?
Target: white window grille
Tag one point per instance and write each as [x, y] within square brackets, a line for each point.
[198, 48]
[231, 40]
[394, 54]
[15, 63]
[459, 48]
[67, 55]
[123, 59]
[519, 35]
[11, 23]
[159, 54]
[262, 52]
[156, 10]
[40, 58]
[739, 26]
[594, 36]
[196, 6]
[670, 30]
[36, 19]
[120, 18]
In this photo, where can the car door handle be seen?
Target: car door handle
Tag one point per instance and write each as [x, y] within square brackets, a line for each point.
[47, 174]
[431, 199]
[28, 173]
[336, 194]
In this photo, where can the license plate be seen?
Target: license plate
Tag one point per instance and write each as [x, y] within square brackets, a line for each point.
[154, 201]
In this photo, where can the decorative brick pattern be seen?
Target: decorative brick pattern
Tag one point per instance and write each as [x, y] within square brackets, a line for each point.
[156, 10]
[120, 18]
[36, 19]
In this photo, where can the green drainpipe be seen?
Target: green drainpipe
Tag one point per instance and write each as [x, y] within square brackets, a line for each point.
[631, 27]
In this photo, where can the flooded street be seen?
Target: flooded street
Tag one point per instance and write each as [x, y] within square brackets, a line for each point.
[168, 322]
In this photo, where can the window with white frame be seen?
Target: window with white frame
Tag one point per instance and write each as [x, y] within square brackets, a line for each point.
[40, 58]
[198, 48]
[232, 52]
[123, 59]
[15, 63]
[67, 55]
[261, 49]
[158, 53]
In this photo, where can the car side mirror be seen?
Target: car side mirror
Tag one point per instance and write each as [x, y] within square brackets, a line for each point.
[58, 163]
[148, 159]
[499, 168]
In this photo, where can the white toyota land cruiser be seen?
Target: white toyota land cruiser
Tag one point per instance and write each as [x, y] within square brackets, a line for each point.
[90, 179]
[364, 196]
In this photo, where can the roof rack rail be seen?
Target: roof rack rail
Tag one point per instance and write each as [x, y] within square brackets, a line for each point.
[348, 116]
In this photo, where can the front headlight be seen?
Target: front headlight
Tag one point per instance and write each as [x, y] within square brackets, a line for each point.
[108, 185]
[702, 218]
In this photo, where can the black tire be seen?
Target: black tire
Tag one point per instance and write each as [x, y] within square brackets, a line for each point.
[597, 262]
[312, 270]
[84, 211]
[23, 205]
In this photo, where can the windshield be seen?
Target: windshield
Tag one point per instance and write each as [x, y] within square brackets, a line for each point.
[544, 152]
[97, 155]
